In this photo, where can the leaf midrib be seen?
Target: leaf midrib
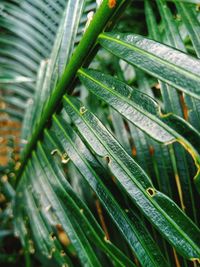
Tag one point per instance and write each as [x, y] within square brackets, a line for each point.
[99, 181]
[193, 245]
[142, 51]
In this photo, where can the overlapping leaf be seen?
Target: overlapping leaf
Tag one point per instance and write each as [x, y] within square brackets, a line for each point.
[142, 111]
[158, 208]
[163, 62]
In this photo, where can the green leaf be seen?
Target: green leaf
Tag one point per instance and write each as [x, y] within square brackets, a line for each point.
[166, 216]
[189, 16]
[134, 232]
[165, 63]
[73, 204]
[18, 79]
[143, 111]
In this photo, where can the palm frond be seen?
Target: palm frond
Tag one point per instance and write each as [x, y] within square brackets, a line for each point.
[105, 174]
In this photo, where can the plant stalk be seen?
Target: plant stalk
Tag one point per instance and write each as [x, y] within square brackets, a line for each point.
[103, 19]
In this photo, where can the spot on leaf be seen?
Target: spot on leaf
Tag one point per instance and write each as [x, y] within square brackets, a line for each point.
[83, 110]
[112, 3]
[151, 191]
[108, 159]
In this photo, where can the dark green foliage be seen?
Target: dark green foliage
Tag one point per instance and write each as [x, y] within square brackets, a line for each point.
[108, 103]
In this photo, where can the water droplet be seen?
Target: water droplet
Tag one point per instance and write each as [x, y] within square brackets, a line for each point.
[65, 265]
[82, 110]
[81, 210]
[118, 37]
